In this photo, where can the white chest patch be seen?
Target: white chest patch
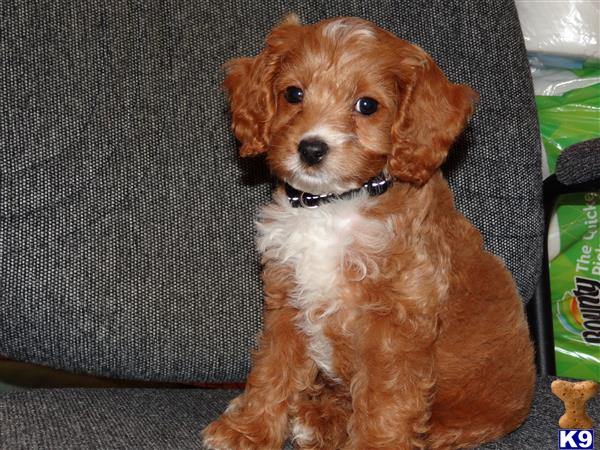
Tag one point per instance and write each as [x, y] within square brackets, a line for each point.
[318, 244]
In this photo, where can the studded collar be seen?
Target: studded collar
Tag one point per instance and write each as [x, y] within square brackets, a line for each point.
[298, 199]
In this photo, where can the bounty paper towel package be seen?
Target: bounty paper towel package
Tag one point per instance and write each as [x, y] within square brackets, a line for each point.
[574, 265]
[563, 42]
[568, 103]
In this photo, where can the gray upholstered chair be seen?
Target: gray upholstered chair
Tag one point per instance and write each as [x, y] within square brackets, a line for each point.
[126, 220]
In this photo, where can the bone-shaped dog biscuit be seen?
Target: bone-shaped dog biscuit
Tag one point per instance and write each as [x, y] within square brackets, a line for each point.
[575, 396]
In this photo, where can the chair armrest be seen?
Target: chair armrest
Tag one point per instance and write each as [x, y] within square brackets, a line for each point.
[580, 163]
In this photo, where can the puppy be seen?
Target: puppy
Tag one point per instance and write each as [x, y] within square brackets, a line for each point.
[387, 325]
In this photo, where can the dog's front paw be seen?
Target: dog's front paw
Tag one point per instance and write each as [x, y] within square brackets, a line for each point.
[222, 434]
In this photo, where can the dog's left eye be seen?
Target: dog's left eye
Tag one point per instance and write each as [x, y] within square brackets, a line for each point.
[293, 94]
[366, 105]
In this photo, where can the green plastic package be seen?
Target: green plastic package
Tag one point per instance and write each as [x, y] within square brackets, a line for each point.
[575, 285]
[574, 236]
[568, 119]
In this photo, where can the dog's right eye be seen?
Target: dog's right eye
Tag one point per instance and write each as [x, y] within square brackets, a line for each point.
[293, 94]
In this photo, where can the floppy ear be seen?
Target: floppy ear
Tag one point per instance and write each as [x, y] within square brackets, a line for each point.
[431, 114]
[249, 83]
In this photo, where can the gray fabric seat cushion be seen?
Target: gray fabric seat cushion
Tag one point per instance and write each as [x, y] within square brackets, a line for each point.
[172, 419]
[126, 219]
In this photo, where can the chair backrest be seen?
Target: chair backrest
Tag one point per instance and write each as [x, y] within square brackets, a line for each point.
[126, 219]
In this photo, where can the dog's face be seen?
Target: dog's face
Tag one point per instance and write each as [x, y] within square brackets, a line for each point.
[336, 103]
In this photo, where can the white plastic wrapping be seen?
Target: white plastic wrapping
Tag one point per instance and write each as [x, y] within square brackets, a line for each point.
[562, 27]
[559, 78]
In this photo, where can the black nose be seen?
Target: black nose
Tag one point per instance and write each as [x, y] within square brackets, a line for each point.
[312, 151]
